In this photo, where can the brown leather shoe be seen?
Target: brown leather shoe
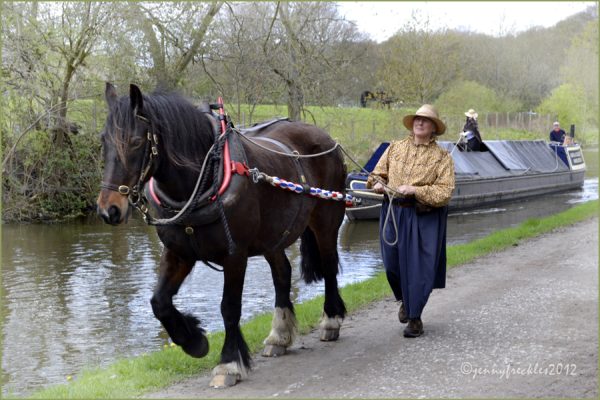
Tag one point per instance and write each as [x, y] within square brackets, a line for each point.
[402, 314]
[414, 328]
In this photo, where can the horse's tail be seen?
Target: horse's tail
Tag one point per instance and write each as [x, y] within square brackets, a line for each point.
[312, 270]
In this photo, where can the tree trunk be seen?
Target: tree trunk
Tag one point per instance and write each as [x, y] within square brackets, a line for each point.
[169, 78]
[159, 69]
[295, 102]
[198, 37]
[294, 80]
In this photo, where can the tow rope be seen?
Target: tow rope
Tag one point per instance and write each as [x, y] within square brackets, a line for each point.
[298, 188]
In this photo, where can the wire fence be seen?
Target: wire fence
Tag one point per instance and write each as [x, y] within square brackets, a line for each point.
[491, 124]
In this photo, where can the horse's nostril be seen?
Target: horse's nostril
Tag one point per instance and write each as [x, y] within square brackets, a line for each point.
[102, 213]
[114, 214]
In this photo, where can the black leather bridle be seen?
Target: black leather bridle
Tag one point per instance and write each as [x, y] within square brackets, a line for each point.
[150, 153]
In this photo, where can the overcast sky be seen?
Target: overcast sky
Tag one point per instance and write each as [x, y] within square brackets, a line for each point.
[381, 19]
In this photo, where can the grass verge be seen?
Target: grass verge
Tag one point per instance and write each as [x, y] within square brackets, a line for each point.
[132, 377]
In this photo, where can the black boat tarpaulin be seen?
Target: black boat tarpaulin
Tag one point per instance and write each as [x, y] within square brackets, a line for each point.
[526, 155]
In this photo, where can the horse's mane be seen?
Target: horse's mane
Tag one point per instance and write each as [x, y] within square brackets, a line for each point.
[184, 132]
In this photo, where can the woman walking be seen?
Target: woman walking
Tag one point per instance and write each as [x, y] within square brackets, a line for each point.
[417, 177]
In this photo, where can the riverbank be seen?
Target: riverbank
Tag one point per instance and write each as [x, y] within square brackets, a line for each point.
[522, 322]
[131, 377]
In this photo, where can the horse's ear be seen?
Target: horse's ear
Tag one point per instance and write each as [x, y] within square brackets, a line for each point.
[110, 94]
[135, 96]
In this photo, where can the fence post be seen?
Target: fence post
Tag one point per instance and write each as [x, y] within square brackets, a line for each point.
[496, 125]
[94, 116]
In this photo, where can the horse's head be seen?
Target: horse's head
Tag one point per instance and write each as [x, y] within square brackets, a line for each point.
[127, 147]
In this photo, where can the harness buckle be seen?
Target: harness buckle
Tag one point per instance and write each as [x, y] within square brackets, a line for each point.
[124, 190]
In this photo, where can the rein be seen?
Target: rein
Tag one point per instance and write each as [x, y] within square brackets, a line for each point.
[294, 153]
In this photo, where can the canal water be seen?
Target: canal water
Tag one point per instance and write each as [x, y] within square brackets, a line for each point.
[77, 295]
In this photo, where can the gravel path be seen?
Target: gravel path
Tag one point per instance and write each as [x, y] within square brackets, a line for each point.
[519, 323]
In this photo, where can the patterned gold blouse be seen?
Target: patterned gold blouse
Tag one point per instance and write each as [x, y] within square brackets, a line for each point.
[426, 166]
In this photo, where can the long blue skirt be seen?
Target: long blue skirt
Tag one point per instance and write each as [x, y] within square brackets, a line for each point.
[416, 264]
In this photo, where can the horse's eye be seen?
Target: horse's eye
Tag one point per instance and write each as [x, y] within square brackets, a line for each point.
[136, 141]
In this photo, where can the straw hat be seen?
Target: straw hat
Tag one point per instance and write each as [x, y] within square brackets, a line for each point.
[428, 111]
[471, 114]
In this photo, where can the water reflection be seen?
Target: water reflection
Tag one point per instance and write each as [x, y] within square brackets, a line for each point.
[78, 295]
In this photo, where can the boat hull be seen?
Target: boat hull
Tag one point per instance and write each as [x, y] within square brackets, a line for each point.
[475, 194]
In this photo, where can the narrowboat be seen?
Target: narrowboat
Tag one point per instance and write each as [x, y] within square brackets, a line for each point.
[503, 170]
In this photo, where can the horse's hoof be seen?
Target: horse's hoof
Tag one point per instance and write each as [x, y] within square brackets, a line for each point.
[328, 335]
[221, 381]
[273, 350]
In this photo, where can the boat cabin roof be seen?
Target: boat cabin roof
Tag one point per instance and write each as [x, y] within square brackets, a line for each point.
[505, 158]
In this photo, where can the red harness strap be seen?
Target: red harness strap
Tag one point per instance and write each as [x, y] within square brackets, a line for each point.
[239, 168]
[226, 156]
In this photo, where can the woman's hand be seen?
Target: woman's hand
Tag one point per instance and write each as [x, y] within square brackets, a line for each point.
[378, 188]
[407, 190]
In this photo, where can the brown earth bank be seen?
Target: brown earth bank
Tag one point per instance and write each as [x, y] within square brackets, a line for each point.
[519, 323]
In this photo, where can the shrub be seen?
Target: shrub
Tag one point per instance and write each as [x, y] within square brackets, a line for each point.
[463, 95]
[567, 102]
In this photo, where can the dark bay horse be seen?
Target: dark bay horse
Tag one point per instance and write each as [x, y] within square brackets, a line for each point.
[166, 138]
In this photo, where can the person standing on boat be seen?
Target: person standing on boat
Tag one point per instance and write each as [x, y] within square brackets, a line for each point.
[420, 175]
[557, 134]
[471, 131]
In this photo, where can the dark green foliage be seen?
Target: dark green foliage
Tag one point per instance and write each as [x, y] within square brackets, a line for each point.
[43, 183]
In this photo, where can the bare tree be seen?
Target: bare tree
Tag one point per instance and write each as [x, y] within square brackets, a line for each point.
[174, 35]
[234, 61]
[82, 24]
[51, 46]
[298, 47]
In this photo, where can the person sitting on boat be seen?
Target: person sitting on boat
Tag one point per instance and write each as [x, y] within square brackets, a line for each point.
[420, 175]
[471, 131]
[557, 134]
[568, 141]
